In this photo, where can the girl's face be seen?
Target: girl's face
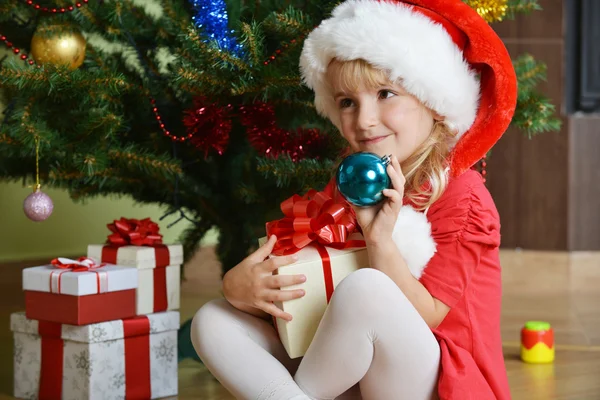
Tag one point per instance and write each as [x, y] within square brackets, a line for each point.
[383, 119]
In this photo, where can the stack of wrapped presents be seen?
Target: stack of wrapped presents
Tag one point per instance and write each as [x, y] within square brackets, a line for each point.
[102, 326]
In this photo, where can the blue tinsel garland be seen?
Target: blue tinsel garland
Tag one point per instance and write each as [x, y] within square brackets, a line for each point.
[211, 17]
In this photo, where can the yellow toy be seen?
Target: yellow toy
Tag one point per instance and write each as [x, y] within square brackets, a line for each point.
[537, 342]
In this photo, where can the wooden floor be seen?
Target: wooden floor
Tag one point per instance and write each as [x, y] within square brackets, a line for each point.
[561, 288]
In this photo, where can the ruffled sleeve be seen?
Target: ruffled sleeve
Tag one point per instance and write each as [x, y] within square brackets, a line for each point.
[464, 223]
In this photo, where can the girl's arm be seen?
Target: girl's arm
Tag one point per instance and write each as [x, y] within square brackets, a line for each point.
[385, 257]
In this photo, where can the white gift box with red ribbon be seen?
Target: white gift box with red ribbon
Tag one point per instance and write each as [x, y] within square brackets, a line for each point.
[141, 257]
[133, 358]
[108, 278]
[138, 243]
[158, 281]
[79, 292]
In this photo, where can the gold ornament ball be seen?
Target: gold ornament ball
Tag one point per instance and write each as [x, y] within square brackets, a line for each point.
[490, 10]
[67, 48]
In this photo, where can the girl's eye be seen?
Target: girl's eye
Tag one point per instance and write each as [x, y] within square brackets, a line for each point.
[386, 94]
[345, 103]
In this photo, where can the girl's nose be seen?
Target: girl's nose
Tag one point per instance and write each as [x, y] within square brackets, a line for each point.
[368, 117]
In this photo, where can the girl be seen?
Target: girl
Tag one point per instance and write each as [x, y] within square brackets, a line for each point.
[429, 82]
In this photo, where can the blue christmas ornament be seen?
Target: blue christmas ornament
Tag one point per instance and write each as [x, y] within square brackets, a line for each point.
[211, 17]
[361, 178]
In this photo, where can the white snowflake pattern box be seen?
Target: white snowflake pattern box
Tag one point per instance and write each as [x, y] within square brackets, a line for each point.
[131, 358]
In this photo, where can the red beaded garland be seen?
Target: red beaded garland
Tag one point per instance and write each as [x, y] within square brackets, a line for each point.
[277, 52]
[15, 50]
[162, 125]
[53, 9]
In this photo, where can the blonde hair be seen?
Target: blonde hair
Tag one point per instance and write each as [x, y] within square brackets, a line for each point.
[426, 169]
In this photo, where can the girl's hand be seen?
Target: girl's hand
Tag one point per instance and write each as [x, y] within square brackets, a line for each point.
[251, 283]
[377, 222]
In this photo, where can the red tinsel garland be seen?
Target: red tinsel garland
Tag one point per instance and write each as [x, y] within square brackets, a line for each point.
[268, 139]
[208, 126]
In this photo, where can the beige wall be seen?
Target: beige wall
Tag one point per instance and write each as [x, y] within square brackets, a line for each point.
[71, 227]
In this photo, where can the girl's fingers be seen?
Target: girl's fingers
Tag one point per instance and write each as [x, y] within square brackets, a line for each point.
[275, 311]
[395, 199]
[283, 295]
[396, 178]
[393, 195]
[263, 251]
[397, 167]
[279, 281]
[274, 263]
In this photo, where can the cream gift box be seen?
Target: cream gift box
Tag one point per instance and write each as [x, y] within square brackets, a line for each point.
[131, 358]
[412, 236]
[158, 272]
[307, 311]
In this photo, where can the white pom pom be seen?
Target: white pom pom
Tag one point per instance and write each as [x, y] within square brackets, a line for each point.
[412, 235]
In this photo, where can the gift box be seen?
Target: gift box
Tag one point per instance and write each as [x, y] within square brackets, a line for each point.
[325, 236]
[158, 285]
[141, 257]
[79, 292]
[134, 358]
[137, 243]
[323, 273]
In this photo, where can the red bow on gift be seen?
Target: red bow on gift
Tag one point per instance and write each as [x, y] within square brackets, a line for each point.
[134, 232]
[82, 264]
[315, 217]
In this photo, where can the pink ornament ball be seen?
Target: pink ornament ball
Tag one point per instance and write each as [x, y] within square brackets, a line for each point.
[38, 206]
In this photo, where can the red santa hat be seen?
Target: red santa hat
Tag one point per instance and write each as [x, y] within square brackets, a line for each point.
[446, 55]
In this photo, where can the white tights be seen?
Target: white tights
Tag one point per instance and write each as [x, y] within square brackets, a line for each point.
[370, 335]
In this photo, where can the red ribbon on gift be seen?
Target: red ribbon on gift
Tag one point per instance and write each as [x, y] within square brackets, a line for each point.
[82, 264]
[135, 232]
[145, 232]
[51, 369]
[136, 332]
[137, 358]
[161, 302]
[315, 219]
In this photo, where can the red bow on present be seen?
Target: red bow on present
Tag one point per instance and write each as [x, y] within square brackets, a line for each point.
[82, 264]
[134, 232]
[315, 217]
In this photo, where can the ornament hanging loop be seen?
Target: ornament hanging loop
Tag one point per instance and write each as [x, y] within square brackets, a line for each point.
[37, 186]
[386, 160]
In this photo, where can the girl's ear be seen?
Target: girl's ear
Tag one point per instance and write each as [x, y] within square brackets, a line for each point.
[437, 117]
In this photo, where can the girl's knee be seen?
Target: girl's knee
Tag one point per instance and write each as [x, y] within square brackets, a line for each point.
[210, 312]
[365, 282]
[207, 323]
[368, 291]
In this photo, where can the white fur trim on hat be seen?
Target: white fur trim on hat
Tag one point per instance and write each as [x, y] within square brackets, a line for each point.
[412, 235]
[404, 42]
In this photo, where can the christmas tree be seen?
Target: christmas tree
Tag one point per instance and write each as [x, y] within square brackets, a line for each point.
[195, 105]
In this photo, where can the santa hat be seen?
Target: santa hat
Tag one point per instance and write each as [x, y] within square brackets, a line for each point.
[446, 55]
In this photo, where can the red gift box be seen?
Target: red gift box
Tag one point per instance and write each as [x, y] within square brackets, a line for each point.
[79, 292]
[80, 310]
